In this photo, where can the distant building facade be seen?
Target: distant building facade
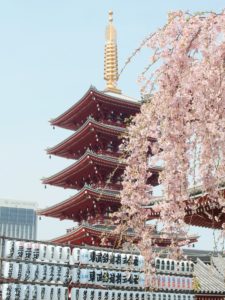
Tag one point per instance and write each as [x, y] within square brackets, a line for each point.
[18, 219]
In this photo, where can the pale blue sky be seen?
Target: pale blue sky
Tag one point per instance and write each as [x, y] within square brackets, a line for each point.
[51, 52]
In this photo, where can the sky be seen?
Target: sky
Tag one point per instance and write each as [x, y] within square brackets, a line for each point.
[51, 52]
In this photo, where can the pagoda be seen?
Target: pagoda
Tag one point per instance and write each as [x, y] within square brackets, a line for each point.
[98, 120]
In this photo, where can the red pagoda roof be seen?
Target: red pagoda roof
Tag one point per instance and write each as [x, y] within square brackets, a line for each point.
[93, 235]
[87, 202]
[200, 211]
[91, 104]
[87, 136]
[93, 169]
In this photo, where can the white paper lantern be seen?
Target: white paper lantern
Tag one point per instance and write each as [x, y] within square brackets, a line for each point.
[43, 269]
[65, 275]
[26, 271]
[58, 254]
[50, 255]
[178, 282]
[19, 250]
[57, 293]
[91, 294]
[141, 262]
[135, 259]
[189, 283]
[35, 251]
[6, 291]
[92, 257]
[112, 259]
[118, 260]
[34, 292]
[52, 292]
[27, 254]
[43, 252]
[84, 276]
[57, 273]
[19, 271]
[66, 254]
[84, 256]
[124, 261]
[41, 292]
[74, 294]
[105, 258]
[7, 269]
[75, 275]
[33, 272]
[25, 292]
[50, 273]
[13, 293]
[130, 295]
[142, 280]
[136, 295]
[148, 296]
[98, 295]
[83, 294]
[76, 255]
[64, 293]
[9, 248]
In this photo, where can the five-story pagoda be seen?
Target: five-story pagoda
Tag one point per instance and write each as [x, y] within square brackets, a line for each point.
[98, 120]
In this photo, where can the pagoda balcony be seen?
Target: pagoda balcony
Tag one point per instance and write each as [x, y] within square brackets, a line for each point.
[102, 106]
[101, 235]
[95, 170]
[97, 137]
[88, 204]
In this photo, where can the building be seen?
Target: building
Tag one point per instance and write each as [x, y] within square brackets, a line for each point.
[98, 120]
[18, 219]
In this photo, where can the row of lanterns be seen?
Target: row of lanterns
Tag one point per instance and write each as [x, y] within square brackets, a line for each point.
[35, 272]
[105, 277]
[130, 279]
[98, 294]
[58, 254]
[33, 292]
[36, 251]
[107, 259]
[172, 266]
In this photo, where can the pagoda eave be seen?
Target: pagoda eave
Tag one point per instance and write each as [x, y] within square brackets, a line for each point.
[89, 135]
[90, 104]
[87, 202]
[95, 235]
[90, 167]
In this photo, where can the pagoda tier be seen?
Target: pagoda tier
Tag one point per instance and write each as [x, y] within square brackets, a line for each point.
[104, 107]
[200, 211]
[98, 171]
[98, 137]
[87, 203]
[99, 235]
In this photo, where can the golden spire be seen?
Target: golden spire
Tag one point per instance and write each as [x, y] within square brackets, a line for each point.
[110, 62]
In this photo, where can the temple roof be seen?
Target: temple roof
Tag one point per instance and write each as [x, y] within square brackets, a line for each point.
[93, 235]
[210, 280]
[85, 169]
[87, 135]
[219, 263]
[200, 210]
[92, 168]
[86, 201]
[91, 103]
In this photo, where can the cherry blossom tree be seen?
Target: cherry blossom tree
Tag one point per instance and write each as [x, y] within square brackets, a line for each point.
[181, 123]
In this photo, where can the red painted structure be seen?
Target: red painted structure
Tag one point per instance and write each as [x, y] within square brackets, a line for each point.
[99, 121]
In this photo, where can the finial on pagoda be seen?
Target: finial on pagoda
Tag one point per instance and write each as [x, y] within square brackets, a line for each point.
[111, 60]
